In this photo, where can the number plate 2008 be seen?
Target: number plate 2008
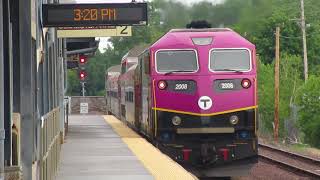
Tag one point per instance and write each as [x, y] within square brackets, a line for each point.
[181, 87]
[227, 85]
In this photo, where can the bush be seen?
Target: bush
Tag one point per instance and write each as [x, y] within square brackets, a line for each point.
[290, 81]
[266, 96]
[309, 117]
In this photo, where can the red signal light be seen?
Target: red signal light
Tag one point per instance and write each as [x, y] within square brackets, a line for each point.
[162, 85]
[246, 83]
[82, 59]
[82, 75]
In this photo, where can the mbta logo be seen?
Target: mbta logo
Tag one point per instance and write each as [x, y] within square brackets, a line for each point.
[205, 102]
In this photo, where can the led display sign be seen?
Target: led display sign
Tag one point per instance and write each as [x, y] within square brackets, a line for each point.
[79, 15]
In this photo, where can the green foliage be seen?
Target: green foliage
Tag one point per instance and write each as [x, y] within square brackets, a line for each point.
[73, 83]
[266, 95]
[309, 119]
[290, 81]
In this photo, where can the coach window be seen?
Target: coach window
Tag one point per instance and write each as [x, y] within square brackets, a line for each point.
[128, 96]
[176, 61]
[131, 96]
[230, 60]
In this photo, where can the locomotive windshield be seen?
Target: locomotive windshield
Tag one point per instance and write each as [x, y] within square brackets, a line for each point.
[176, 61]
[230, 60]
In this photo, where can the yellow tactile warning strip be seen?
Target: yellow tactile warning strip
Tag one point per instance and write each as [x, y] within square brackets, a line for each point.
[158, 164]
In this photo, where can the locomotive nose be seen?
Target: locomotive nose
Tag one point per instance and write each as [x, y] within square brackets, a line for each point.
[206, 94]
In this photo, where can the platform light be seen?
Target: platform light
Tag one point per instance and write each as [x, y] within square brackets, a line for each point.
[176, 120]
[234, 120]
[246, 83]
[162, 85]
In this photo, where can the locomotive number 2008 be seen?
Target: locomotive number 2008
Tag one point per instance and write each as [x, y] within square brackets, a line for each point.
[227, 85]
[181, 87]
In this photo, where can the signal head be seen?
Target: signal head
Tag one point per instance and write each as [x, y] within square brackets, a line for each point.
[82, 75]
[82, 59]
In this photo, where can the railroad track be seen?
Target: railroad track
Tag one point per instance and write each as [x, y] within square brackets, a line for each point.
[292, 161]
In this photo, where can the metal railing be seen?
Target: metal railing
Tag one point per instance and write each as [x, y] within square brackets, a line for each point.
[50, 145]
[67, 111]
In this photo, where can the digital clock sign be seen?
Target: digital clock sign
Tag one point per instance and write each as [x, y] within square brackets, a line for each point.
[79, 15]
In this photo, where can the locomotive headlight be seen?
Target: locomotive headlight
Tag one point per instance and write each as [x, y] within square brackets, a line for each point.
[246, 83]
[176, 120]
[234, 120]
[162, 85]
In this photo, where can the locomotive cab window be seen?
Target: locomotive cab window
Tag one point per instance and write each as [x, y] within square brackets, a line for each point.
[230, 60]
[176, 61]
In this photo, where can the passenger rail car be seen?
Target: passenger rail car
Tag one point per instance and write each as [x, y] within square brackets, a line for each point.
[112, 90]
[195, 97]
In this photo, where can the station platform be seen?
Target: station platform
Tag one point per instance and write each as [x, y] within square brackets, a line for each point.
[103, 148]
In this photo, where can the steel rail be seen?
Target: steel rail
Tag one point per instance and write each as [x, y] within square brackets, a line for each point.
[291, 167]
[292, 154]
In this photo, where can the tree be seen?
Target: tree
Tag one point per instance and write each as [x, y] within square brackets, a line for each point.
[73, 83]
[309, 118]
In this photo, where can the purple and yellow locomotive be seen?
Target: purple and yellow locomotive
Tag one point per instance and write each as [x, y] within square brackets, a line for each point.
[193, 93]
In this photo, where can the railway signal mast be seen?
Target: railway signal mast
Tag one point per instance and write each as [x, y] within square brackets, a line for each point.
[82, 72]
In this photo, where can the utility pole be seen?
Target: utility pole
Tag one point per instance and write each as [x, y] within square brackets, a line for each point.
[304, 41]
[2, 131]
[276, 86]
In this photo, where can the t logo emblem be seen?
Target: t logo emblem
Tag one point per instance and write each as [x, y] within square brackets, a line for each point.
[205, 102]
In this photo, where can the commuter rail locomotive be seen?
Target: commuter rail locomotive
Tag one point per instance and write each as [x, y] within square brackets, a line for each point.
[193, 93]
